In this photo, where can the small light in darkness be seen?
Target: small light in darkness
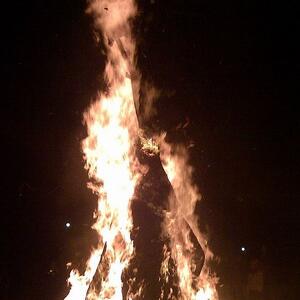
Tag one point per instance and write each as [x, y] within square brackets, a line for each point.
[68, 225]
[243, 249]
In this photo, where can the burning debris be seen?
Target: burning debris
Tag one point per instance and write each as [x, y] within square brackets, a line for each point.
[149, 244]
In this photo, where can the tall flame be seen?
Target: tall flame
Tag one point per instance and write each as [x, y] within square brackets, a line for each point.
[109, 152]
[181, 223]
[112, 127]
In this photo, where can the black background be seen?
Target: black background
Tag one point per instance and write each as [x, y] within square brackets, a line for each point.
[230, 68]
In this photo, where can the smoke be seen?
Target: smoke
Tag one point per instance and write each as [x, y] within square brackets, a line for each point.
[149, 94]
[112, 17]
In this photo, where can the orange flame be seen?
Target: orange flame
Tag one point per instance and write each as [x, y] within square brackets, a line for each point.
[114, 170]
[108, 150]
[181, 222]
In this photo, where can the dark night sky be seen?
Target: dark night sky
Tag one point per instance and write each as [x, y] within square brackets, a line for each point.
[231, 68]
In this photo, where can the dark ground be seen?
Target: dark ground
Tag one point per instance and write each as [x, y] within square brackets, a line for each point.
[231, 68]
